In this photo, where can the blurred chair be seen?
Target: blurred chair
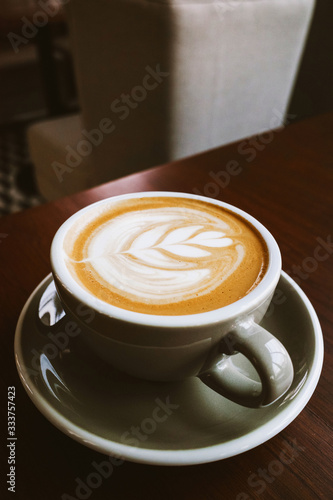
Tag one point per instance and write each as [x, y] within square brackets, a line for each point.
[39, 25]
[160, 80]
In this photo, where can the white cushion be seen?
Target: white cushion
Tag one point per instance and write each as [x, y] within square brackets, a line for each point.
[60, 169]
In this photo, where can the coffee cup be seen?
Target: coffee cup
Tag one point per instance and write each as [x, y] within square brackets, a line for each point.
[177, 284]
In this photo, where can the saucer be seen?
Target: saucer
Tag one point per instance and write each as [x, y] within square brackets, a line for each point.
[152, 422]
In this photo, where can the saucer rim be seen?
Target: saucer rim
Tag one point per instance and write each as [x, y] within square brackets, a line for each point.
[190, 456]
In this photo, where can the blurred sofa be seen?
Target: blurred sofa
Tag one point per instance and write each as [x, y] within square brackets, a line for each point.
[160, 80]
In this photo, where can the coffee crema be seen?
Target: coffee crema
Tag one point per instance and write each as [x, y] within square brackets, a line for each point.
[165, 255]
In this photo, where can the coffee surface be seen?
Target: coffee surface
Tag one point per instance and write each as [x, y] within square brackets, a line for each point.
[165, 255]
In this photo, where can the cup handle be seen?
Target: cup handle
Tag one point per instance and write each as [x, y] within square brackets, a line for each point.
[268, 356]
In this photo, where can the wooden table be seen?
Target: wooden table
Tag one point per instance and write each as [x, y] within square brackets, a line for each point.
[284, 178]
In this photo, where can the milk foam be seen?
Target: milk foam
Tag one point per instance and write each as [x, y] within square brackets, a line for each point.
[163, 254]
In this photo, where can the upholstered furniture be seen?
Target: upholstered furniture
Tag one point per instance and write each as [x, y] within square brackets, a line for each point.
[159, 80]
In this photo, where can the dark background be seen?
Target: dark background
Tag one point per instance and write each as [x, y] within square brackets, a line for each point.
[313, 92]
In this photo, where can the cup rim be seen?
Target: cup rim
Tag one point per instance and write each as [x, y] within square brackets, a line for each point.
[249, 302]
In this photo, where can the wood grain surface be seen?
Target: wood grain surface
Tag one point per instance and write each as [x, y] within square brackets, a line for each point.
[284, 178]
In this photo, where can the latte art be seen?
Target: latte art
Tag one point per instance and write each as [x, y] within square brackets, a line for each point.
[160, 254]
[164, 256]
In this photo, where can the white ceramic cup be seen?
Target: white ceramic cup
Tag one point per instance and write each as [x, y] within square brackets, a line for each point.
[166, 348]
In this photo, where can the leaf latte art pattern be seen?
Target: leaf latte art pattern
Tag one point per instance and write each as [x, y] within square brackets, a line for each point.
[163, 254]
